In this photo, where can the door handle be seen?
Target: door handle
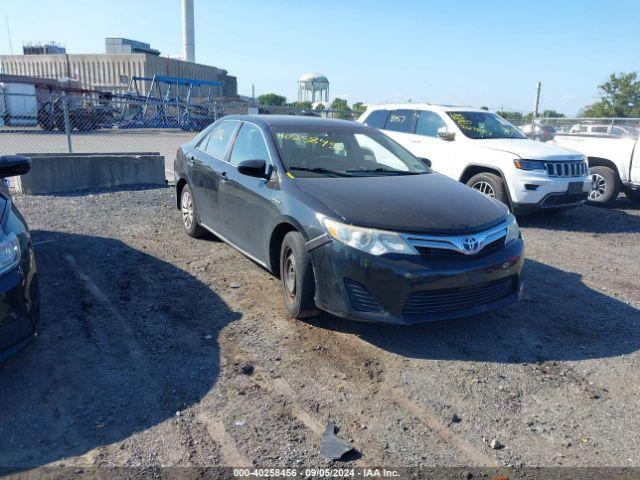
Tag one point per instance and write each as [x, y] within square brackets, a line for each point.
[223, 176]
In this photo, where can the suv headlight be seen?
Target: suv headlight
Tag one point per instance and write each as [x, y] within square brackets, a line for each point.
[9, 252]
[513, 230]
[529, 164]
[375, 242]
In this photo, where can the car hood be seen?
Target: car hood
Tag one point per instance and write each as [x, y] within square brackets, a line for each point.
[528, 149]
[428, 203]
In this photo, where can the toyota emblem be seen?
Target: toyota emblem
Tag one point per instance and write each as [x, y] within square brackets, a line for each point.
[471, 245]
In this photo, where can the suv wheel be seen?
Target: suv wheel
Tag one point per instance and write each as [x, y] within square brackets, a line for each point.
[189, 213]
[604, 185]
[491, 185]
[296, 273]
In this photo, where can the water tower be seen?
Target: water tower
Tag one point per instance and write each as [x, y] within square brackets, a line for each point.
[311, 83]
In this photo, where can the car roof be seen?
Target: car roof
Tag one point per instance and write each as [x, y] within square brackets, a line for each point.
[292, 121]
[425, 106]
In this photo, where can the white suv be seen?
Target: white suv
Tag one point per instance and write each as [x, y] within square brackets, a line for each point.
[488, 153]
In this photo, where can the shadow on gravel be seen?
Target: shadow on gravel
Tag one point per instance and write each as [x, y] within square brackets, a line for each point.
[588, 219]
[127, 340]
[559, 318]
[98, 191]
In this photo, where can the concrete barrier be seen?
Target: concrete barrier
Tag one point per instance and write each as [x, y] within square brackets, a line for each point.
[65, 172]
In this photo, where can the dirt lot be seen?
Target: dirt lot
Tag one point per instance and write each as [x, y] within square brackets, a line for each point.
[148, 335]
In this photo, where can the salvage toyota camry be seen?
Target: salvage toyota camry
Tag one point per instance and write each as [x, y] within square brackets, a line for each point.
[350, 221]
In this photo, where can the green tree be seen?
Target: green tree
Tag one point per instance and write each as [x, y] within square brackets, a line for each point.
[320, 107]
[484, 108]
[341, 108]
[552, 114]
[272, 99]
[358, 108]
[511, 116]
[619, 97]
[301, 105]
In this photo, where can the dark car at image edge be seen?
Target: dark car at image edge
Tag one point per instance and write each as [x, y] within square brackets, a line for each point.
[19, 295]
[350, 221]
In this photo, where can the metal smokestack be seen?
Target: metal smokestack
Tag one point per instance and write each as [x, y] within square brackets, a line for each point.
[188, 35]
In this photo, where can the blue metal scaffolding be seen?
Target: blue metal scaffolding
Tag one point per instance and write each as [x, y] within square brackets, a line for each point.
[167, 102]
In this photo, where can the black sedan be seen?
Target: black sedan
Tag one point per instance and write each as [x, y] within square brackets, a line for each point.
[350, 221]
[19, 297]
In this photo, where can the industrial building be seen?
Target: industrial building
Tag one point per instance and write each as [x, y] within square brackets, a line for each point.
[113, 70]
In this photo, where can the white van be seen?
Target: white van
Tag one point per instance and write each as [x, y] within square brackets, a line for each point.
[485, 151]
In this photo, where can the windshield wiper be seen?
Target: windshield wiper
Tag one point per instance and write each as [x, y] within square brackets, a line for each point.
[386, 170]
[319, 170]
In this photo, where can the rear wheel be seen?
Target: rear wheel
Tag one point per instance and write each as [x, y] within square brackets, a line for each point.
[491, 185]
[604, 185]
[189, 213]
[296, 273]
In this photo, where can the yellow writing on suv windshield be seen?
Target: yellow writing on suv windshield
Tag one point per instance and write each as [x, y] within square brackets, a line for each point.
[465, 124]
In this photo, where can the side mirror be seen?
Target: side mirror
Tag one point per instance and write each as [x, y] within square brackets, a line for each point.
[445, 134]
[253, 168]
[426, 161]
[14, 165]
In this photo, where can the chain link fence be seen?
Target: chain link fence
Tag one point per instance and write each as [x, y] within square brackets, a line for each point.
[75, 121]
[59, 121]
[91, 122]
[546, 128]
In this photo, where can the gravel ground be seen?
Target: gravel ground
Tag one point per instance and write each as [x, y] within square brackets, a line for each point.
[147, 338]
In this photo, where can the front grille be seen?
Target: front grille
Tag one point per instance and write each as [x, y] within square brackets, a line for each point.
[442, 301]
[566, 169]
[360, 298]
[455, 255]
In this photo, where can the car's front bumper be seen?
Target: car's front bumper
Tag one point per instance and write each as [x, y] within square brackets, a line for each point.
[19, 310]
[408, 289]
[533, 191]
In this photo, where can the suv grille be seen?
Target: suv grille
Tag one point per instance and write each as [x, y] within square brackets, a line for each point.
[566, 169]
[452, 299]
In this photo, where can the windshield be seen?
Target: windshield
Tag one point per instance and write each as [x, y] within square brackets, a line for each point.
[481, 125]
[343, 152]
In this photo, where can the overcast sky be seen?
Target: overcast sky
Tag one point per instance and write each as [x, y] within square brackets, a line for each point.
[463, 52]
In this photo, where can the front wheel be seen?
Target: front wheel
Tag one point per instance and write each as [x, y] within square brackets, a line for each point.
[296, 273]
[491, 185]
[604, 185]
[189, 214]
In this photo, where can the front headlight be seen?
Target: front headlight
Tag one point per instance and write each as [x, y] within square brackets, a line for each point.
[9, 252]
[513, 230]
[529, 164]
[375, 242]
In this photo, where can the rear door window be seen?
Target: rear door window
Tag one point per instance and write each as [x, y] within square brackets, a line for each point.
[218, 141]
[377, 118]
[401, 121]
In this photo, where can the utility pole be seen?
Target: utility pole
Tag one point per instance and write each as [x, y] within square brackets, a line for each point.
[6, 19]
[535, 111]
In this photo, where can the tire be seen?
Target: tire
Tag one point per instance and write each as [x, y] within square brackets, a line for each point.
[491, 185]
[189, 214]
[296, 273]
[605, 186]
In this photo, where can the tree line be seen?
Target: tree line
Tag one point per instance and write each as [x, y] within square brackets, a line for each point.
[619, 97]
